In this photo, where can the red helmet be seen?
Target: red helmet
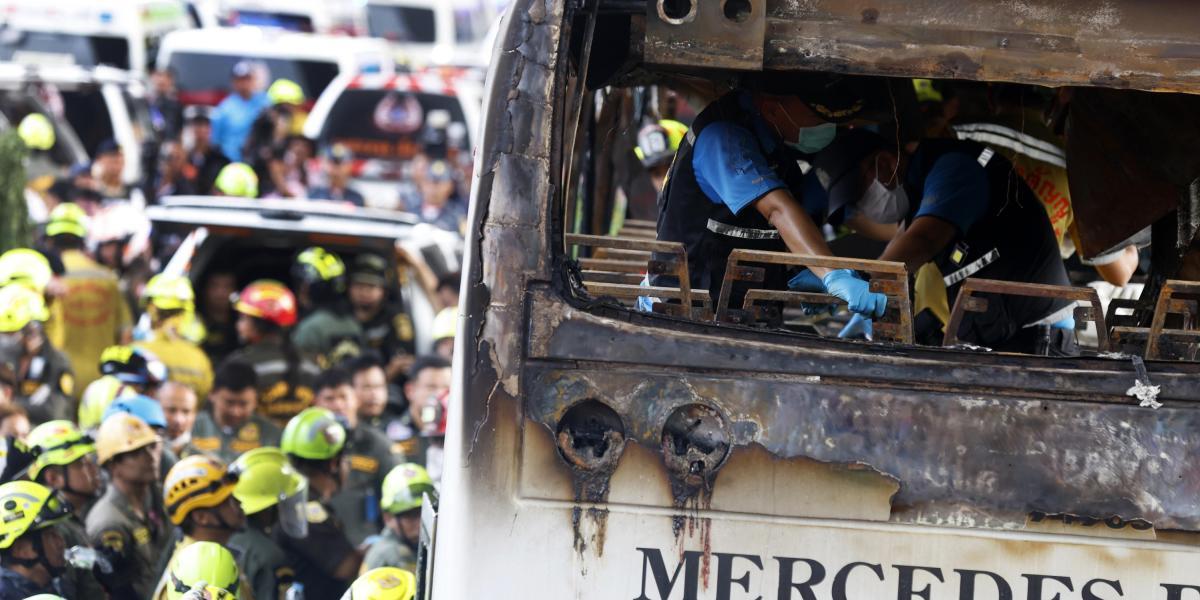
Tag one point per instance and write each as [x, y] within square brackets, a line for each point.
[268, 300]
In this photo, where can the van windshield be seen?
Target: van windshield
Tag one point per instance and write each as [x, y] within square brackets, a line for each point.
[204, 78]
[402, 23]
[48, 48]
[389, 124]
[259, 18]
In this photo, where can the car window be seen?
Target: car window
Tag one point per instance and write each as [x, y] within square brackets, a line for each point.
[15, 105]
[385, 123]
[196, 72]
[290, 22]
[87, 112]
[401, 23]
[43, 47]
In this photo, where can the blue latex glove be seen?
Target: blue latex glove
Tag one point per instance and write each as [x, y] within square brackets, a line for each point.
[848, 286]
[807, 281]
[858, 327]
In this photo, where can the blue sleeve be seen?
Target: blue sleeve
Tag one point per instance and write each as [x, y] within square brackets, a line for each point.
[730, 168]
[956, 191]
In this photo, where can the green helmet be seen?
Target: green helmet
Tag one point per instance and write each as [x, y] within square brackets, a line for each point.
[36, 131]
[266, 479]
[285, 91]
[237, 179]
[27, 506]
[317, 264]
[58, 443]
[208, 562]
[26, 267]
[67, 219]
[313, 434]
[97, 398]
[403, 488]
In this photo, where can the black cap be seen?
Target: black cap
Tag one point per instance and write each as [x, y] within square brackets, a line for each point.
[835, 98]
[370, 269]
[196, 113]
[108, 146]
[836, 167]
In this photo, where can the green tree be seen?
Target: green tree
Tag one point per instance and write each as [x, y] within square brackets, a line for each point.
[15, 229]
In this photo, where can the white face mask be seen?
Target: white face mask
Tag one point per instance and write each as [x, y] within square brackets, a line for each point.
[882, 205]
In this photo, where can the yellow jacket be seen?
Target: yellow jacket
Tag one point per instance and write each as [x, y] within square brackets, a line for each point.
[186, 363]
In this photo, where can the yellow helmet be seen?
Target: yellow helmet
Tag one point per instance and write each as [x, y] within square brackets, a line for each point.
[198, 481]
[36, 131]
[169, 292]
[207, 562]
[383, 583]
[237, 179]
[57, 443]
[925, 91]
[285, 91]
[98, 396]
[19, 306]
[26, 267]
[445, 324]
[120, 433]
[67, 219]
[27, 506]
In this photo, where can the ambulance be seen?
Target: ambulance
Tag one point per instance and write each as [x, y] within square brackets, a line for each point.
[124, 34]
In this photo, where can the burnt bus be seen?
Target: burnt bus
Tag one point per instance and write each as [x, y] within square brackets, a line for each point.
[726, 446]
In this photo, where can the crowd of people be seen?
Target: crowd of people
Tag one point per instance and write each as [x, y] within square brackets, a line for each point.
[274, 441]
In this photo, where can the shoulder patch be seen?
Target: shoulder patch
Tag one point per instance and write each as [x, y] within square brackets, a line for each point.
[206, 444]
[362, 463]
[141, 535]
[403, 326]
[66, 383]
[249, 432]
[315, 512]
[113, 540]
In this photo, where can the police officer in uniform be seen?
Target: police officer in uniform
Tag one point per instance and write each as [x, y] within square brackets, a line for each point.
[44, 380]
[735, 183]
[387, 329]
[266, 311]
[126, 525]
[230, 425]
[65, 461]
[31, 548]
[273, 496]
[368, 456]
[969, 213]
[170, 303]
[403, 493]
[328, 330]
[325, 560]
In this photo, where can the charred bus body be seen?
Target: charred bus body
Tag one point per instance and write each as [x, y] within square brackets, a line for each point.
[596, 451]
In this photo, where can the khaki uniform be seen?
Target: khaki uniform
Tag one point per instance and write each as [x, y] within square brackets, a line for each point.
[164, 582]
[44, 389]
[228, 444]
[316, 557]
[78, 583]
[390, 551]
[186, 363]
[91, 316]
[326, 333]
[390, 332]
[264, 564]
[369, 457]
[130, 542]
[278, 398]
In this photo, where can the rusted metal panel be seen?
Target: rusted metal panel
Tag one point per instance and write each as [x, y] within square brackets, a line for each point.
[699, 33]
[1136, 44]
[1001, 458]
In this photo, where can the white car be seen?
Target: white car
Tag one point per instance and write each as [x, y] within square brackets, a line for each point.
[87, 33]
[202, 59]
[432, 32]
[99, 104]
[381, 119]
[308, 16]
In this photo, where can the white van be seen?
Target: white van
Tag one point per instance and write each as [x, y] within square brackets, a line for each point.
[202, 59]
[382, 118]
[99, 104]
[87, 33]
[306, 16]
[432, 32]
